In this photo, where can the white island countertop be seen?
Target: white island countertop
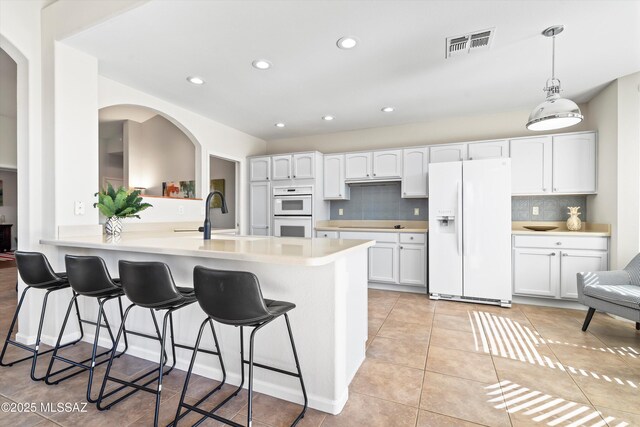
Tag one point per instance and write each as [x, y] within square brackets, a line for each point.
[278, 250]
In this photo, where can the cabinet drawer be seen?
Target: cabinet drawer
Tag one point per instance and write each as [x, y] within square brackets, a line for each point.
[561, 242]
[327, 234]
[412, 238]
[366, 235]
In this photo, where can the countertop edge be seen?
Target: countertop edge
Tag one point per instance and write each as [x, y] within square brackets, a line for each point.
[373, 230]
[276, 259]
[562, 233]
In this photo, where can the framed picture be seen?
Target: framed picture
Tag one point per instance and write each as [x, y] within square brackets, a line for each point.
[217, 184]
[179, 189]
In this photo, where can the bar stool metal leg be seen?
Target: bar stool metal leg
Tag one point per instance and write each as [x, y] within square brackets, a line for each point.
[196, 349]
[35, 352]
[94, 354]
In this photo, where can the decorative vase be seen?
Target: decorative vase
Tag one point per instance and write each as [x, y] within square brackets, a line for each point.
[574, 223]
[113, 226]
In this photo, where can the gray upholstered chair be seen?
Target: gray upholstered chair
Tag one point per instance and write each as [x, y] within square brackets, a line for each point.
[615, 292]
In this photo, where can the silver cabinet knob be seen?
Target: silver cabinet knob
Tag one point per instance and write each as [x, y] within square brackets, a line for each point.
[411, 237]
[565, 254]
[267, 178]
[340, 195]
[544, 189]
[374, 174]
[401, 247]
[405, 193]
[552, 254]
[367, 174]
[558, 243]
[294, 176]
[288, 176]
[267, 226]
[470, 158]
[555, 189]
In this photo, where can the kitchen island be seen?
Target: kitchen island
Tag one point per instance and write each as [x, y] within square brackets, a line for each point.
[325, 278]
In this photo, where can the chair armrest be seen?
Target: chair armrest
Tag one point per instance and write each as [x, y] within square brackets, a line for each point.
[606, 278]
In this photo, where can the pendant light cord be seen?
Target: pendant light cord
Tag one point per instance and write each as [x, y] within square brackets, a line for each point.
[553, 58]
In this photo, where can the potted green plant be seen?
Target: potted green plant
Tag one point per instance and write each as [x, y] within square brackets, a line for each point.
[117, 204]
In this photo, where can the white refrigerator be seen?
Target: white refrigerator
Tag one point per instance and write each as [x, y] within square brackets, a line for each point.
[470, 231]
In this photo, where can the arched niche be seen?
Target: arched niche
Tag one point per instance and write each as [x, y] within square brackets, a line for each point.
[144, 148]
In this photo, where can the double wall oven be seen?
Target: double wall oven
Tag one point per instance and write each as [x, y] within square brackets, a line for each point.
[292, 211]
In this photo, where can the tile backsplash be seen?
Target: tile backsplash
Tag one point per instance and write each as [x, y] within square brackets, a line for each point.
[551, 208]
[379, 201]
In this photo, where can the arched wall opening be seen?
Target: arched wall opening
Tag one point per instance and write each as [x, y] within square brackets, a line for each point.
[147, 149]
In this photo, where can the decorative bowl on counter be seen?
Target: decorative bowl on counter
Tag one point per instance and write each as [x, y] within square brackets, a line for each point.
[540, 227]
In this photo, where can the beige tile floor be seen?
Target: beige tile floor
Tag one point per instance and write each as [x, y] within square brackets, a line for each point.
[428, 364]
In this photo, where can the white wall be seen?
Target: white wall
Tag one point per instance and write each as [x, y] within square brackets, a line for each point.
[160, 152]
[76, 134]
[454, 129]
[8, 111]
[603, 207]
[628, 167]
[224, 169]
[9, 206]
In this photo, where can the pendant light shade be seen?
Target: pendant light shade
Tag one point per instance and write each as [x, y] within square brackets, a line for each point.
[555, 112]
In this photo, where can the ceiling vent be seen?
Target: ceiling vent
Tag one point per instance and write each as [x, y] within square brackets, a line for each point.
[467, 43]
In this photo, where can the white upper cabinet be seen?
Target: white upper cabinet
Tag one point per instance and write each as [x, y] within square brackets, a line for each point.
[414, 172]
[260, 168]
[531, 165]
[304, 165]
[281, 167]
[387, 164]
[574, 163]
[448, 153]
[334, 186]
[488, 150]
[358, 165]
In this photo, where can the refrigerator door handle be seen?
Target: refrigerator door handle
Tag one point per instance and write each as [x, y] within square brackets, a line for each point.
[467, 196]
[458, 218]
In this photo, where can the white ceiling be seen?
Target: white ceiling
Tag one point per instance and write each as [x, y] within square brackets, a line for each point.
[399, 60]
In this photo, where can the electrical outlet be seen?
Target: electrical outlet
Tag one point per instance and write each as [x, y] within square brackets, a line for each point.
[341, 211]
[180, 210]
[78, 208]
[536, 210]
[416, 211]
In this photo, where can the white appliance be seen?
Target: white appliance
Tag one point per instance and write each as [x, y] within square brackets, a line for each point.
[293, 201]
[292, 211]
[470, 231]
[292, 226]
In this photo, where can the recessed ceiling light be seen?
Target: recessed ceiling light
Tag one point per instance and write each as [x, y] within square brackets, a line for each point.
[328, 118]
[387, 109]
[279, 125]
[347, 42]
[195, 80]
[261, 64]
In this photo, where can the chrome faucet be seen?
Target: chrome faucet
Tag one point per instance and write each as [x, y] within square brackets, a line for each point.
[207, 209]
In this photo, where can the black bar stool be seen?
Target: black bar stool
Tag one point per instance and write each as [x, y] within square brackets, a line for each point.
[36, 272]
[234, 298]
[150, 285]
[89, 277]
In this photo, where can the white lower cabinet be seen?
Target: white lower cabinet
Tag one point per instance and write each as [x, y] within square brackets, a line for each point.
[327, 234]
[412, 264]
[546, 266]
[396, 258]
[384, 263]
[573, 262]
[536, 272]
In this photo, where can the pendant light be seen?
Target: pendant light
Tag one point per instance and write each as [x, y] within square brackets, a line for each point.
[555, 112]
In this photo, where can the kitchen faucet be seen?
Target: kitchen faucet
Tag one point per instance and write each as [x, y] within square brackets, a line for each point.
[207, 209]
